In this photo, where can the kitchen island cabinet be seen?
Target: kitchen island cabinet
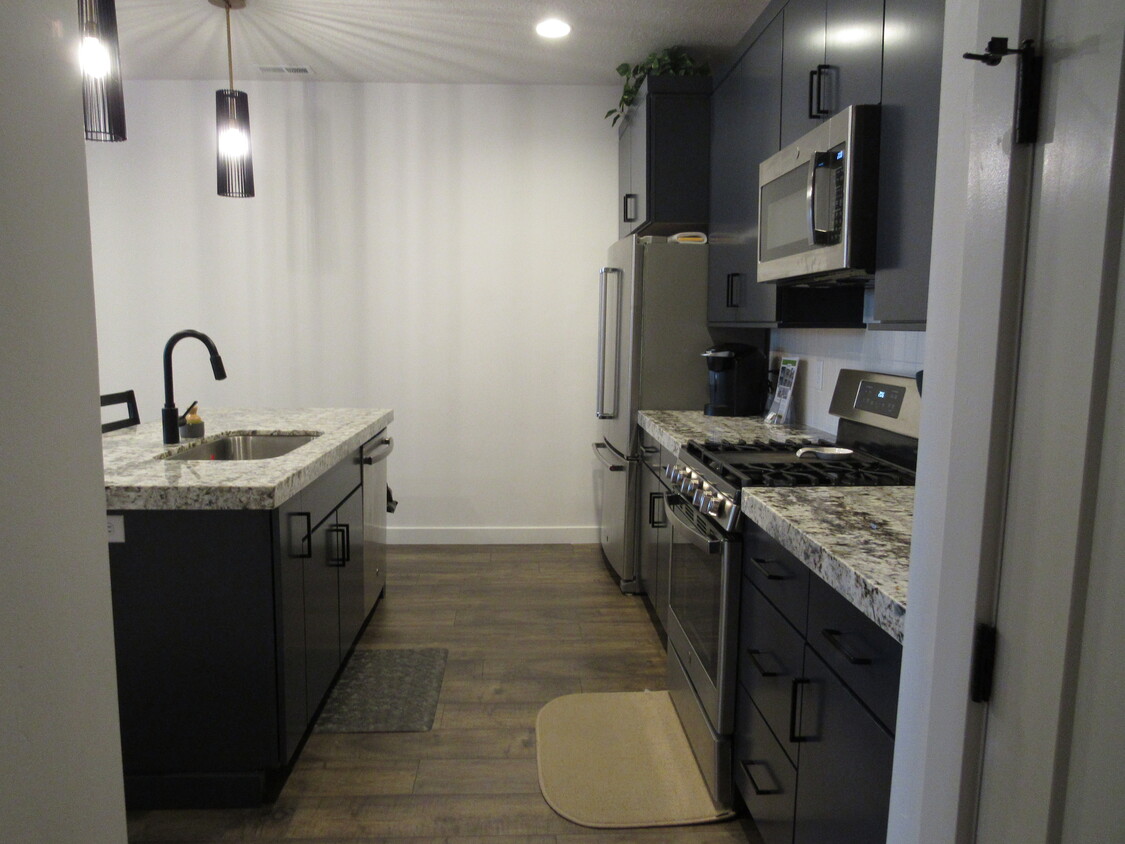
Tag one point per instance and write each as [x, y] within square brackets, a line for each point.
[233, 616]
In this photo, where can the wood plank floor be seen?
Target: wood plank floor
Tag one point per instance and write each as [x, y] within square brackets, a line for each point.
[523, 624]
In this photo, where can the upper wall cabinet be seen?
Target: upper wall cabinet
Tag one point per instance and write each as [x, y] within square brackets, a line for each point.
[746, 113]
[907, 162]
[833, 59]
[801, 62]
[664, 158]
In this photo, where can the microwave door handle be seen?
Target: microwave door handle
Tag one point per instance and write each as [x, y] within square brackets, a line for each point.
[818, 161]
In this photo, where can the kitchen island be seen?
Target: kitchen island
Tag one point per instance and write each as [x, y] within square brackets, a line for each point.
[239, 588]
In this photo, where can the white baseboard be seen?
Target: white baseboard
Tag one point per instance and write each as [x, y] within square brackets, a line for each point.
[577, 535]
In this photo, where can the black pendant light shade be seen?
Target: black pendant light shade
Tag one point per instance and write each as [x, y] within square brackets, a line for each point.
[102, 98]
[232, 143]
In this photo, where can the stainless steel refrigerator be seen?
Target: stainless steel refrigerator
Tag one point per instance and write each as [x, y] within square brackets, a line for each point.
[652, 332]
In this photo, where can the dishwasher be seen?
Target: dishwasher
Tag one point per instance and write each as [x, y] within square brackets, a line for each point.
[377, 503]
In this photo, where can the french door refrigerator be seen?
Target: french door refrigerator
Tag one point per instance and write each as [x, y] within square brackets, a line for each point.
[652, 332]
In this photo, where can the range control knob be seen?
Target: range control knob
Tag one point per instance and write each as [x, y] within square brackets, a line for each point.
[714, 506]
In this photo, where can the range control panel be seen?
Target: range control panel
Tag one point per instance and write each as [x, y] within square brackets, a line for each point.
[884, 399]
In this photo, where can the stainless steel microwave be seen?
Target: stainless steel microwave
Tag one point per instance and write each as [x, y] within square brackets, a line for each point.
[817, 202]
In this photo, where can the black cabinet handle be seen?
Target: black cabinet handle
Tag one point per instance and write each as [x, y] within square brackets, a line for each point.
[833, 638]
[653, 497]
[760, 564]
[816, 92]
[340, 553]
[747, 764]
[753, 654]
[793, 692]
[733, 290]
[627, 215]
[302, 543]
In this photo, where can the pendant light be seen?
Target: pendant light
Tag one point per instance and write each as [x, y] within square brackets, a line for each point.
[103, 103]
[234, 164]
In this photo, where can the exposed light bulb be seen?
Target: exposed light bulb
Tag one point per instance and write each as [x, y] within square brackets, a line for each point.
[94, 58]
[233, 143]
[553, 28]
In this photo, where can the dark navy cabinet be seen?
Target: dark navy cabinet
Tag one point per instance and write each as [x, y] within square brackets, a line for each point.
[815, 713]
[802, 61]
[833, 59]
[664, 155]
[229, 628]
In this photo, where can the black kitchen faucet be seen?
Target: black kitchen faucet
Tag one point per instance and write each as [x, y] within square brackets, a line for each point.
[170, 414]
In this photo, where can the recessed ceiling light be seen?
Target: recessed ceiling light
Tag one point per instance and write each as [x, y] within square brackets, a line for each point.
[553, 28]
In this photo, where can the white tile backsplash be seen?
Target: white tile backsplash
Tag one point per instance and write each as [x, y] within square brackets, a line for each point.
[893, 352]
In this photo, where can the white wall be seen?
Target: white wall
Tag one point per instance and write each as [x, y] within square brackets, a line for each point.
[429, 248]
[60, 756]
[891, 352]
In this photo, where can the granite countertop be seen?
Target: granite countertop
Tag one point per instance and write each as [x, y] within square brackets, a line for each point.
[673, 428]
[856, 539]
[136, 478]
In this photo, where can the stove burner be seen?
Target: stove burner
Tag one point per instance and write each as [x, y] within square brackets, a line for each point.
[775, 464]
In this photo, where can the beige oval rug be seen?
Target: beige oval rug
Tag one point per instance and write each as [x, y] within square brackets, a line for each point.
[620, 759]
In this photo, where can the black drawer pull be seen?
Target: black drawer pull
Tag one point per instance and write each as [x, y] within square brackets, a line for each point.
[761, 565]
[752, 653]
[793, 697]
[833, 637]
[758, 790]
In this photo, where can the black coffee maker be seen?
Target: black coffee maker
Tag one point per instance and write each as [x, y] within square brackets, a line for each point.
[738, 377]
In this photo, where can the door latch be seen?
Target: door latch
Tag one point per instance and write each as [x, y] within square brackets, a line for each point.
[1029, 82]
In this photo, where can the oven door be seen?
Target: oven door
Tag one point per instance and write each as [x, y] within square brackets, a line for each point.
[703, 595]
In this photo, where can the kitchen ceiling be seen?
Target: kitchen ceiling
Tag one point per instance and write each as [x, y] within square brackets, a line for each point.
[475, 41]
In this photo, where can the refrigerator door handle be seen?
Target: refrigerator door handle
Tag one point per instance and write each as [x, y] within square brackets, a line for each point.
[609, 335]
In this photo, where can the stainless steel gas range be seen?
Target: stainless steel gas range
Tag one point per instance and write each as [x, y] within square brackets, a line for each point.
[876, 445]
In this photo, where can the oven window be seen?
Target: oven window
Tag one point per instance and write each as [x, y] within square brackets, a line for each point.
[695, 590]
[785, 215]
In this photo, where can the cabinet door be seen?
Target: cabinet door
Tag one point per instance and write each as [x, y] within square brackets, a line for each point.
[805, 22]
[322, 614]
[844, 779]
[907, 161]
[745, 130]
[632, 161]
[770, 654]
[763, 774]
[853, 54]
[349, 525]
[654, 542]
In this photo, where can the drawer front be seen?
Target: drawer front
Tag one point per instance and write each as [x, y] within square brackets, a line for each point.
[865, 657]
[771, 655]
[781, 577]
[763, 775]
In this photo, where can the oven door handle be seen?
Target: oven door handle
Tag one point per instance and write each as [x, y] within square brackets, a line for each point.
[703, 543]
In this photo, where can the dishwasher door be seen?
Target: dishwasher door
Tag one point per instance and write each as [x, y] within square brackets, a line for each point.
[376, 502]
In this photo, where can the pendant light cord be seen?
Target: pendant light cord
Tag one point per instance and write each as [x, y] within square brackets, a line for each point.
[230, 56]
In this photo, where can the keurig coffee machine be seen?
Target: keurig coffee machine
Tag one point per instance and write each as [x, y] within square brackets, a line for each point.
[738, 377]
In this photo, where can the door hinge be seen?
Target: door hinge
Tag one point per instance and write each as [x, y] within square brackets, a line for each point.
[1029, 82]
[984, 663]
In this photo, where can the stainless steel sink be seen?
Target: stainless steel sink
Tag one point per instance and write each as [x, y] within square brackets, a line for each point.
[244, 447]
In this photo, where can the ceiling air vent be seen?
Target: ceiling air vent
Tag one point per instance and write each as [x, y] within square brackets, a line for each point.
[286, 69]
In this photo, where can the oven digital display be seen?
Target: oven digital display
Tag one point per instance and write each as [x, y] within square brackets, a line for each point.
[884, 399]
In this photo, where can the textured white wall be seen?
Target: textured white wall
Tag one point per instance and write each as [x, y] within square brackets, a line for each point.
[60, 751]
[431, 248]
